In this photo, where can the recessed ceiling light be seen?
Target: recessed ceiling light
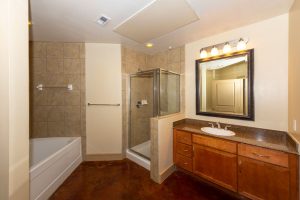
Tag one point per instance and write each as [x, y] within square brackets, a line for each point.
[102, 20]
[149, 45]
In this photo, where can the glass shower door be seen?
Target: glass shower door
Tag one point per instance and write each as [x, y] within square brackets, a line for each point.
[141, 110]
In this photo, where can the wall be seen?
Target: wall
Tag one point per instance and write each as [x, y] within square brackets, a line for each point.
[131, 62]
[57, 112]
[294, 68]
[14, 115]
[269, 39]
[103, 86]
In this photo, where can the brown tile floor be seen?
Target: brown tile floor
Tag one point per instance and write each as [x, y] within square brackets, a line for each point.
[126, 180]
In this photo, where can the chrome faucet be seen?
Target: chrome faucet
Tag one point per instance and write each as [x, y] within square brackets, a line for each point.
[218, 124]
[212, 124]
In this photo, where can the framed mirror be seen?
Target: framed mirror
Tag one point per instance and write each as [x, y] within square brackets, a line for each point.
[224, 86]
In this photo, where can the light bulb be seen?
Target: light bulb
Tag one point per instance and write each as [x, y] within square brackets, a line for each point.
[226, 48]
[241, 45]
[214, 51]
[149, 45]
[203, 53]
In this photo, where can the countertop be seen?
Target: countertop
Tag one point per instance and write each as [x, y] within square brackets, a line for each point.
[277, 140]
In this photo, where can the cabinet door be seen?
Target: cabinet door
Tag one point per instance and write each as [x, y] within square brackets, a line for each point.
[216, 166]
[260, 180]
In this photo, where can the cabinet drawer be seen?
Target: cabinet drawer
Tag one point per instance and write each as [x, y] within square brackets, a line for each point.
[183, 137]
[215, 143]
[263, 154]
[183, 149]
[184, 162]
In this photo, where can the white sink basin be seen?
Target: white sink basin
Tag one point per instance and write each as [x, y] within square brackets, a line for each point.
[217, 131]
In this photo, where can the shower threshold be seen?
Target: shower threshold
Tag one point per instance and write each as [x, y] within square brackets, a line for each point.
[142, 149]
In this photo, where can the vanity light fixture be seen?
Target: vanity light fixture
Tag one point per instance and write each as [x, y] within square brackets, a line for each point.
[214, 51]
[203, 53]
[241, 45]
[227, 48]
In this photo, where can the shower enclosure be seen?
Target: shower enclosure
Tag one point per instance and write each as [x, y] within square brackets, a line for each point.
[152, 93]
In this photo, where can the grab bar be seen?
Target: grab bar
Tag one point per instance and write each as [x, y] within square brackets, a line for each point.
[102, 104]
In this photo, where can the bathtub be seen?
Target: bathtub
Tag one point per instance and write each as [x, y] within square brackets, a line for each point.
[52, 160]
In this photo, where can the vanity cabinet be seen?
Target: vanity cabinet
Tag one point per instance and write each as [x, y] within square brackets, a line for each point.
[260, 180]
[254, 172]
[216, 166]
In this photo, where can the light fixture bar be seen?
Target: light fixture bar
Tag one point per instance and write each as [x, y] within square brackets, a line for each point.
[225, 47]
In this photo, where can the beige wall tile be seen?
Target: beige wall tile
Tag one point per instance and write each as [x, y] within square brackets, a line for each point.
[82, 51]
[74, 79]
[55, 65]
[40, 113]
[37, 49]
[40, 129]
[72, 113]
[38, 65]
[55, 50]
[72, 66]
[82, 66]
[174, 55]
[55, 80]
[55, 129]
[55, 97]
[55, 114]
[174, 67]
[72, 50]
[40, 98]
[72, 98]
[72, 128]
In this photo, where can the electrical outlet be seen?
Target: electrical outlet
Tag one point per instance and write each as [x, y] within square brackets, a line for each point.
[294, 125]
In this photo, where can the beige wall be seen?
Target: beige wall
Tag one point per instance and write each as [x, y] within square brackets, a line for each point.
[14, 106]
[294, 68]
[269, 39]
[103, 86]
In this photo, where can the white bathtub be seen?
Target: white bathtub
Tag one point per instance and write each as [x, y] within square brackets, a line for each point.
[52, 160]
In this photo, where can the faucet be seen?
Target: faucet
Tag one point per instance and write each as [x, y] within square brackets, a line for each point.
[212, 124]
[218, 124]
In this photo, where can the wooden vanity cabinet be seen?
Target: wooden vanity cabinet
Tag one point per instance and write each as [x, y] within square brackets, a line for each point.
[216, 166]
[254, 172]
[260, 180]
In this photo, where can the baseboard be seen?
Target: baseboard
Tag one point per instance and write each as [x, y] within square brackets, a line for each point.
[104, 157]
[167, 173]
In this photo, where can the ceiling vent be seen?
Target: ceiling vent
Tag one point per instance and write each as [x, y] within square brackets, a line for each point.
[102, 20]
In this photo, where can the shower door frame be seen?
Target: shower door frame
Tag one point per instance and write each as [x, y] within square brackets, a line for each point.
[155, 82]
[156, 98]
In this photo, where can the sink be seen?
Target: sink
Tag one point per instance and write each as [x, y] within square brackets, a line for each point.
[217, 131]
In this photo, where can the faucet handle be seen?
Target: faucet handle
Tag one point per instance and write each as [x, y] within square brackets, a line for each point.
[212, 124]
[226, 127]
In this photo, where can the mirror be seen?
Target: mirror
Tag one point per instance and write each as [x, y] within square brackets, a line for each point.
[224, 86]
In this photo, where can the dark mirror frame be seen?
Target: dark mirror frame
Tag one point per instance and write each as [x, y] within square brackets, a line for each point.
[250, 116]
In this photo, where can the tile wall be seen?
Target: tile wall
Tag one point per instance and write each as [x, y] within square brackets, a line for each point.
[57, 112]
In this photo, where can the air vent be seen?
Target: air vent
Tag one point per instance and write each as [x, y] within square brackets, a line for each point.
[102, 20]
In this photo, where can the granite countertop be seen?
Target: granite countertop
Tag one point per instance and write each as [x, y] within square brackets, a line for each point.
[277, 140]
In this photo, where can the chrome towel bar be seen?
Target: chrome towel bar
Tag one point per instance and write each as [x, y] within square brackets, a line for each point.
[41, 87]
[102, 104]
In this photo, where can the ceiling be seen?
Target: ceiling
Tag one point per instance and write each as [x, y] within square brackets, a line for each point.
[75, 20]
